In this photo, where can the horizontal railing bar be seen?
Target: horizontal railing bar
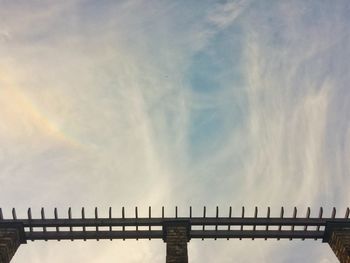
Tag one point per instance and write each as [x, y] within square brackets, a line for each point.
[157, 234]
[75, 235]
[199, 221]
[256, 234]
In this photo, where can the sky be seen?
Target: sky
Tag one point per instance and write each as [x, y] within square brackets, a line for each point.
[174, 103]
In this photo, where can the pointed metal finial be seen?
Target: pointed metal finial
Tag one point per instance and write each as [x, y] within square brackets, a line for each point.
[110, 217]
[43, 217]
[308, 212]
[229, 216]
[14, 216]
[204, 214]
[294, 216]
[255, 216]
[268, 216]
[149, 216]
[281, 216]
[83, 217]
[347, 212]
[123, 217]
[217, 216]
[96, 217]
[334, 211]
[29, 213]
[136, 216]
[242, 217]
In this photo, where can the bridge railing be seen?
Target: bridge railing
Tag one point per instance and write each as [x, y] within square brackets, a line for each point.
[149, 227]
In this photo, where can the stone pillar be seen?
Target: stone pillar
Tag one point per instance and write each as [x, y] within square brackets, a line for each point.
[338, 238]
[11, 236]
[176, 236]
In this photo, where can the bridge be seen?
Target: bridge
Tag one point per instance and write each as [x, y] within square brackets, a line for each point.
[176, 231]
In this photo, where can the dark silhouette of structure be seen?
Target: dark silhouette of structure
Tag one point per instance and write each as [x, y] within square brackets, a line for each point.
[176, 231]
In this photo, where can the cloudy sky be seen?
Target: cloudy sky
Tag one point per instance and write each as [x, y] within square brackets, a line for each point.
[138, 103]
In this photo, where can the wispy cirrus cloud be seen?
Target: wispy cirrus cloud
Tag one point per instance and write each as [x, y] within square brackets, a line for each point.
[135, 103]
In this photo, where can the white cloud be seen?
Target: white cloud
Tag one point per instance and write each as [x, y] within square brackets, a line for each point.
[225, 14]
[96, 108]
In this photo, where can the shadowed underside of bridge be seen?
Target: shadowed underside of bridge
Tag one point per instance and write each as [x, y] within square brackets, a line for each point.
[176, 231]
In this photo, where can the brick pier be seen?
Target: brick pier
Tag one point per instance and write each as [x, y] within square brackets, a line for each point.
[338, 238]
[176, 236]
[10, 239]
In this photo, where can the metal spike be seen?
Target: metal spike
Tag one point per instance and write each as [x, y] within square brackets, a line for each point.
[83, 217]
[14, 214]
[242, 217]
[70, 217]
[43, 217]
[110, 217]
[295, 212]
[1, 214]
[56, 217]
[190, 211]
[255, 216]
[96, 217]
[308, 212]
[217, 215]
[321, 212]
[150, 216]
[162, 211]
[281, 216]
[347, 213]
[29, 213]
[110, 212]
[334, 211]
[229, 215]
[268, 216]
[307, 216]
[204, 214]
[123, 216]
[96, 212]
[294, 216]
[175, 211]
[42, 212]
[136, 216]
[319, 216]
